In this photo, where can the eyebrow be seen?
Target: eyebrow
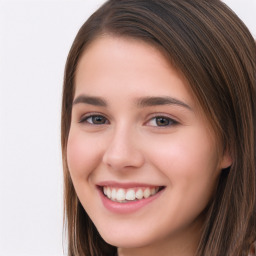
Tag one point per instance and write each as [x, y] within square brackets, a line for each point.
[96, 101]
[156, 101]
[140, 102]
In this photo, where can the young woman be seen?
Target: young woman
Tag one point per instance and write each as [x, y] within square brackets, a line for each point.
[158, 131]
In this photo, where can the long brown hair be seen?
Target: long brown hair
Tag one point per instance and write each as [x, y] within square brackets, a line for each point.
[216, 53]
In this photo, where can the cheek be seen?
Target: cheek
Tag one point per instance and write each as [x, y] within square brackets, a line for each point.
[189, 161]
[83, 154]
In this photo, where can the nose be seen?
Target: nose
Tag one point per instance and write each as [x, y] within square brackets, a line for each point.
[123, 151]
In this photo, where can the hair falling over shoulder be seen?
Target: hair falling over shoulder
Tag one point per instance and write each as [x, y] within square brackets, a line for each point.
[216, 53]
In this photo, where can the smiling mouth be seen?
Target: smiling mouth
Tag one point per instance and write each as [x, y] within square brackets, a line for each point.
[122, 195]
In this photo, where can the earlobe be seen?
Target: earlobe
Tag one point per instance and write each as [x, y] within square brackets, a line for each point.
[226, 160]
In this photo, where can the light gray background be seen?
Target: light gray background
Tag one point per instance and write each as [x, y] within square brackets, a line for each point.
[35, 37]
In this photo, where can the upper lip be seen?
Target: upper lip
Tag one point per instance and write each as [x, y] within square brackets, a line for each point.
[126, 184]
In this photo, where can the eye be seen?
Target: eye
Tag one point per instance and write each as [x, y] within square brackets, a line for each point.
[161, 121]
[94, 120]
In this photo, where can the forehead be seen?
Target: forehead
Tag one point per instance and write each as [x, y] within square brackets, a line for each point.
[111, 46]
[120, 58]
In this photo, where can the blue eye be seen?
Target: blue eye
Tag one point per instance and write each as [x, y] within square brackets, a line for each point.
[161, 121]
[94, 120]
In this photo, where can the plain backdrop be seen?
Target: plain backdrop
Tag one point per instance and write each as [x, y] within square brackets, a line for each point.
[35, 37]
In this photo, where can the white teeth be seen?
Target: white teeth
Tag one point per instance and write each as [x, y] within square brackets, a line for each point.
[139, 194]
[113, 194]
[121, 195]
[130, 194]
[146, 193]
[108, 192]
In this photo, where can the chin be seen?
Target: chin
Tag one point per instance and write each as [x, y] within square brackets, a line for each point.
[124, 240]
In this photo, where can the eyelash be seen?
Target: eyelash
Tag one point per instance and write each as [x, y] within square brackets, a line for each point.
[85, 119]
[169, 121]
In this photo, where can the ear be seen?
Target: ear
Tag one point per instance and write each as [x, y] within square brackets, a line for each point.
[226, 160]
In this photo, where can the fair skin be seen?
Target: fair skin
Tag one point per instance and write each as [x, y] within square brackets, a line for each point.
[136, 126]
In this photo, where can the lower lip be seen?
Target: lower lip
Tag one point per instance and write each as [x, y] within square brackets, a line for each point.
[129, 207]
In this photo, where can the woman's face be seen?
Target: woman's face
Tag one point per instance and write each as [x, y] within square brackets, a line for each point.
[138, 136]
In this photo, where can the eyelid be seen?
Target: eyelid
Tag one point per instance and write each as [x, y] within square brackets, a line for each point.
[91, 114]
[159, 115]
